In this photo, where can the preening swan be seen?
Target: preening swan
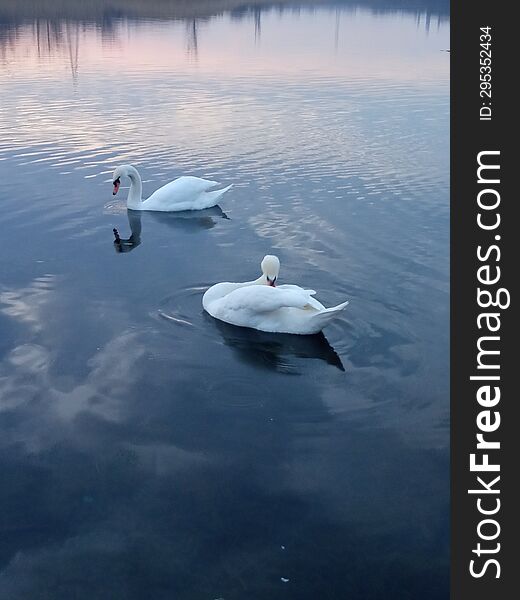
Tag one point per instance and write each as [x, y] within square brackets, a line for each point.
[261, 304]
[184, 193]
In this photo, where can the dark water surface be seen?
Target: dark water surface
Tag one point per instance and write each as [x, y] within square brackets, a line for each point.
[150, 452]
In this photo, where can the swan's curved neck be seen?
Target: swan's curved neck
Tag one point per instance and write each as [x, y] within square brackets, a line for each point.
[135, 195]
[262, 280]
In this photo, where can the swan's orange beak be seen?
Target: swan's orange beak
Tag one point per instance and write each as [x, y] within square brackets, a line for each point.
[117, 183]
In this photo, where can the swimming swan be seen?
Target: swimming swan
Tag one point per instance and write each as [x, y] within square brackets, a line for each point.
[184, 193]
[262, 305]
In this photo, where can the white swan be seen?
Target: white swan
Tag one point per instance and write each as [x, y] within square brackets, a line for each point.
[262, 305]
[184, 193]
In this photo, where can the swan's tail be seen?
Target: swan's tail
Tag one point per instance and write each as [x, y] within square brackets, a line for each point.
[213, 197]
[325, 316]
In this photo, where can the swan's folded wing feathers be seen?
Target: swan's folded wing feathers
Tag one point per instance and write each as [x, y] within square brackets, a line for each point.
[183, 189]
[196, 185]
[263, 298]
[290, 286]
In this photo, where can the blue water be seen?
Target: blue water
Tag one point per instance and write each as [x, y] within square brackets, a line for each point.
[148, 451]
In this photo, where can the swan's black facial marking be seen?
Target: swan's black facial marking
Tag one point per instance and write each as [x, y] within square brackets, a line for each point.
[270, 281]
[117, 183]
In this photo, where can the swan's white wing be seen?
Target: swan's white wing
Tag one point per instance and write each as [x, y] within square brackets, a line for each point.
[263, 299]
[312, 301]
[289, 286]
[181, 190]
[218, 291]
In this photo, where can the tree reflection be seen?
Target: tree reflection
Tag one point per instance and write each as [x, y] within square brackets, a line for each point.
[56, 25]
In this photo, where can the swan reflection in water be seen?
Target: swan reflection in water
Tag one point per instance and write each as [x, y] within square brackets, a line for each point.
[128, 244]
[271, 350]
[189, 221]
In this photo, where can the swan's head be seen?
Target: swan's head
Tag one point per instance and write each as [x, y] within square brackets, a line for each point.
[116, 177]
[270, 269]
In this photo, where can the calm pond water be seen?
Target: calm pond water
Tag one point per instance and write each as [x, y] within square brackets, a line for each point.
[148, 451]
